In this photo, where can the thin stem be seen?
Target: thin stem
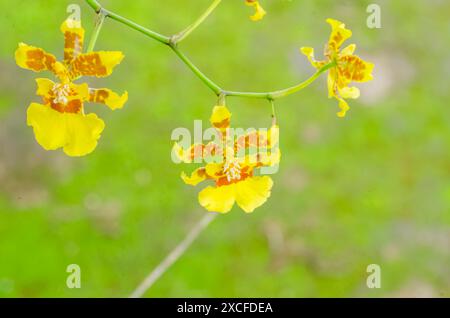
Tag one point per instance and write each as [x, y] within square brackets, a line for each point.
[185, 33]
[94, 5]
[213, 86]
[296, 88]
[154, 35]
[272, 103]
[101, 16]
[283, 92]
[274, 115]
[173, 256]
[222, 99]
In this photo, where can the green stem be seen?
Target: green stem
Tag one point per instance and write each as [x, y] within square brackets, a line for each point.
[177, 38]
[94, 5]
[222, 99]
[172, 43]
[213, 86]
[101, 16]
[283, 92]
[154, 35]
[158, 37]
[272, 104]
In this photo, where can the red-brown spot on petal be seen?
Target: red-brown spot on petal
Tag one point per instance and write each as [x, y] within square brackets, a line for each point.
[89, 65]
[38, 60]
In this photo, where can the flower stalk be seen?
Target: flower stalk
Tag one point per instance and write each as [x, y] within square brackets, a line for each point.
[172, 42]
[205, 79]
[173, 256]
[177, 38]
[101, 16]
[230, 175]
[283, 92]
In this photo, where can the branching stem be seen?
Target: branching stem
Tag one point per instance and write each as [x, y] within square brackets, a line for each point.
[177, 38]
[172, 42]
[222, 94]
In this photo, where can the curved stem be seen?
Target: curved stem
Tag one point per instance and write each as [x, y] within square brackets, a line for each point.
[283, 92]
[172, 43]
[302, 85]
[154, 35]
[213, 86]
[185, 33]
[173, 256]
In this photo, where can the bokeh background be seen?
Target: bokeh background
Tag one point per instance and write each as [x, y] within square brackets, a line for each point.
[370, 188]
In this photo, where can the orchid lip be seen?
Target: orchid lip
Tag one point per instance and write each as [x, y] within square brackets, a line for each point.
[232, 170]
[61, 92]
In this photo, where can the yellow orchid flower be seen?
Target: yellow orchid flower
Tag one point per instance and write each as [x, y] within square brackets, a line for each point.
[234, 179]
[60, 121]
[259, 11]
[349, 67]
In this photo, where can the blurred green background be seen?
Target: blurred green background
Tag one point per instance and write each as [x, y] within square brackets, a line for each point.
[370, 188]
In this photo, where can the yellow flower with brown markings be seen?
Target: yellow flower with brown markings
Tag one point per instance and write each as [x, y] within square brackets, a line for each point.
[348, 67]
[60, 121]
[233, 175]
[259, 10]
